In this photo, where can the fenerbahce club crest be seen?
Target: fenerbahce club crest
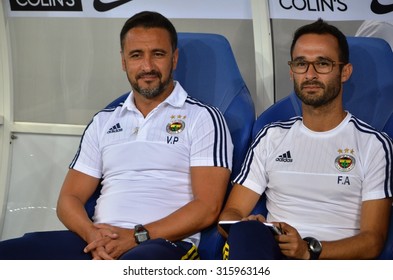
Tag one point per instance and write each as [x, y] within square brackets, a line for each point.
[345, 162]
[176, 125]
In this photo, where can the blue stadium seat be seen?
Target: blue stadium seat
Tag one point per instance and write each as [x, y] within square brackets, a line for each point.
[368, 95]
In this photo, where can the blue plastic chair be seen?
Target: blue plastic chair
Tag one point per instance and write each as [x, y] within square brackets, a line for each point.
[368, 95]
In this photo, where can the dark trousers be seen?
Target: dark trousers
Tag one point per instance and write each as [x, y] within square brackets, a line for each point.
[66, 245]
[251, 240]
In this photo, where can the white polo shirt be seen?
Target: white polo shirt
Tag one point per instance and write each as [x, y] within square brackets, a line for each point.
[317, 181]
[145, 162]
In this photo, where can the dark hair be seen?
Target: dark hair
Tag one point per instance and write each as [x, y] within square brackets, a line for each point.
[322, 27]
[148, 19]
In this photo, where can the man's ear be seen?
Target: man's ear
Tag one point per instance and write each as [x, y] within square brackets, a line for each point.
[123, 62]
[175, 58]
[346, 72]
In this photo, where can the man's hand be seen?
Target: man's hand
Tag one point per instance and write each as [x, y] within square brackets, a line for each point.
[110, 242]
[257, 217]
[291, 243]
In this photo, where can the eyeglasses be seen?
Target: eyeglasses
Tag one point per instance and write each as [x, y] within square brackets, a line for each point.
[321, 66]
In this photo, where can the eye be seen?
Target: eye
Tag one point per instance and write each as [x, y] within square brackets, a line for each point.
[135, 55]
[159, 54]
[300, 64]
[323, 63]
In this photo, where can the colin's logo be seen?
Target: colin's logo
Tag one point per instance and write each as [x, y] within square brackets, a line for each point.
[63, 5]
[46, 5]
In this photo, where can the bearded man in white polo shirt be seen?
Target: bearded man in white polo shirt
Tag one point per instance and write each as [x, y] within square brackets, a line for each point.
[326, 174]
[160, 155]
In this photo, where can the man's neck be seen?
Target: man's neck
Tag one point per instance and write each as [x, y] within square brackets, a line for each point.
[146, 105]
[324, 118]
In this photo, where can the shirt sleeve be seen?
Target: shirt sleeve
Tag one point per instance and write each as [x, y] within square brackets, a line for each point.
[88, 158]
[253, 174]
[377, 168]
[211, 141]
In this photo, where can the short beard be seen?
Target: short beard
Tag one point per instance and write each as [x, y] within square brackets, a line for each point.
[331, 91]
[151, 93]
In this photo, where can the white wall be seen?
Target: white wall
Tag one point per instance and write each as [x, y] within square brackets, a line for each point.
[39, 164]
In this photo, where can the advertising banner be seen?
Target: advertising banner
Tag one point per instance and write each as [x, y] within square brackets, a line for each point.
[220, 9]
[225, 9]
[340, 10]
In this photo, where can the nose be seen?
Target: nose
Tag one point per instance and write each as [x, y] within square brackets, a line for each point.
[147, 63]
[311, 73]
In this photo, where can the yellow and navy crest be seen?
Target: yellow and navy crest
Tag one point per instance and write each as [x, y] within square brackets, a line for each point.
[176, 125]
[345, 161]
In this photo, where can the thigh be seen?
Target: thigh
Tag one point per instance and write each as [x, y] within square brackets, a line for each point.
[161, 249]
[251, 240]
[46, 245]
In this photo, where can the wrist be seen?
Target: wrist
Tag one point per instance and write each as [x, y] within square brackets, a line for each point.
[141, 234]
[314, 247]
[306, 254]
[88, 232]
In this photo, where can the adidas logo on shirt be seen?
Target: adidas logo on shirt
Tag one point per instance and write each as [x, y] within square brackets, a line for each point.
[285, 157]
[115, 128]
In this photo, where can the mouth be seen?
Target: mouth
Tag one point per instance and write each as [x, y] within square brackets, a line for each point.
[312, 86]
[148, 76]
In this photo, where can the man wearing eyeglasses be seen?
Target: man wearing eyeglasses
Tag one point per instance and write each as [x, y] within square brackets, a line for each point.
[326, 175]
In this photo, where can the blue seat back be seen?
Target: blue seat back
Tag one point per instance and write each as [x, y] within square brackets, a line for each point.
[208, 71]
[368, 95]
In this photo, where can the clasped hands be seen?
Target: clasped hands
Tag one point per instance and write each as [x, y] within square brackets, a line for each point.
[106, 242]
